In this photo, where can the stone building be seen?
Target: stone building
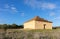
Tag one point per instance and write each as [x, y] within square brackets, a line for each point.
[38, 23]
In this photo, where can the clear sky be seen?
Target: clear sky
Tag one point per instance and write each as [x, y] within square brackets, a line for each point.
[19, 11]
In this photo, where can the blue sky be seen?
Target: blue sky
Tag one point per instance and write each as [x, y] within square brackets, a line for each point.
[19, 11]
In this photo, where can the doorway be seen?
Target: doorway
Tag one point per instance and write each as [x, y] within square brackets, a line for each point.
[44, 26]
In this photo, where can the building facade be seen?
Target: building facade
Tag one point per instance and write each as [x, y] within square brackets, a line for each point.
[38, 23]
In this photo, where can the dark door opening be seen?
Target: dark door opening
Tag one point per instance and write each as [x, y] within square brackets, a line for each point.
[44, 26]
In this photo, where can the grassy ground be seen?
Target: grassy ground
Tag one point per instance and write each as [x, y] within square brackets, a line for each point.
[34, 34]
[39, 34]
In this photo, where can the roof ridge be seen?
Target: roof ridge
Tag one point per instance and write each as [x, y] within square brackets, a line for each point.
[37, 18]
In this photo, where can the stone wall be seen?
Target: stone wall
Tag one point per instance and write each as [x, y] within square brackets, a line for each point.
[29, 25]
[37, 25]
[40, 25]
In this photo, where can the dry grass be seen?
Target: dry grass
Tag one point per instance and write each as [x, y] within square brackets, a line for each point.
[33, 34]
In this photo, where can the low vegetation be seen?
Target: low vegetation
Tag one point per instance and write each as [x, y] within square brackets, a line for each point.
[10, 32]
[34, 34]
[13, 26]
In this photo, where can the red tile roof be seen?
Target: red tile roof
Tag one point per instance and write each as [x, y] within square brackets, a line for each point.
[37, 18]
